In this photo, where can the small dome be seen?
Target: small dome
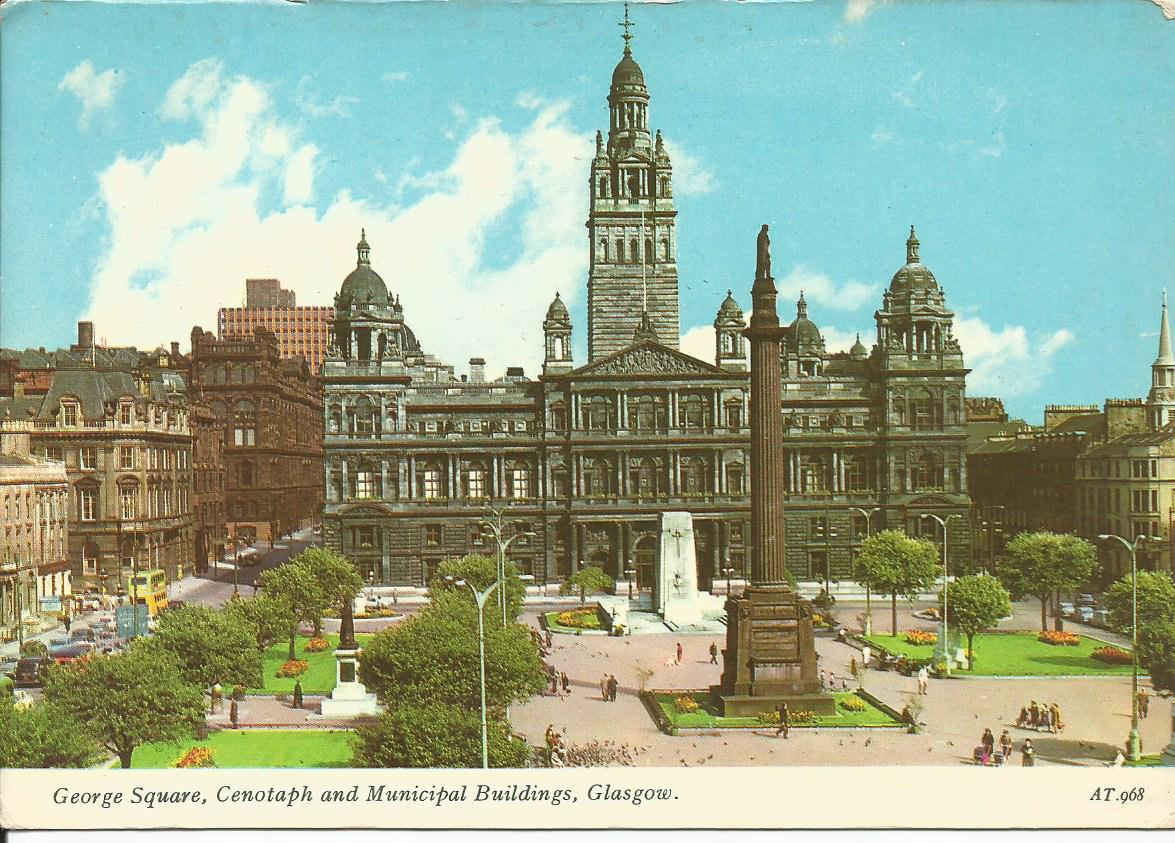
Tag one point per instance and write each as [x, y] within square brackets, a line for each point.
[914, 275]
[729, 309]
[803, 330]
[628, 72]
[557, 312]
[363, 284]
[858, 351]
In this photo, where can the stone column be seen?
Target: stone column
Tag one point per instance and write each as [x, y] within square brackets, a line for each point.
[411, 477]
[346, 487]
[767, 454]
[493, 477]
[383, 480]
[717, 471]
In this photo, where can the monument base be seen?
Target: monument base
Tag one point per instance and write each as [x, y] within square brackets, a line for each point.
[770, 651]
[748, 706]
[350, 697]
[363, 705]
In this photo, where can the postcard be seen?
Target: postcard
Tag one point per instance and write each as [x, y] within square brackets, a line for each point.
[587, 415]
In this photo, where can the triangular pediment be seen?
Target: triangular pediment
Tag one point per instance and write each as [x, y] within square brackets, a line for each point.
[647, 358]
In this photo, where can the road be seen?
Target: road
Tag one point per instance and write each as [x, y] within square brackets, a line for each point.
[215, 586]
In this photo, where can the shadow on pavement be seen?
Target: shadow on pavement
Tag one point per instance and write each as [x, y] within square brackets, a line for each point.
[1065, 751]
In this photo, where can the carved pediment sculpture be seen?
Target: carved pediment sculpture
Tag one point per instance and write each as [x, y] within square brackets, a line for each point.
[649, 359]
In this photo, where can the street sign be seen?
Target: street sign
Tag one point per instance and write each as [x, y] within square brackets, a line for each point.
[124, 619]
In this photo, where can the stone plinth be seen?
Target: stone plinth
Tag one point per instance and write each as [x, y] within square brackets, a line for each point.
[677, 578]
[349, 697]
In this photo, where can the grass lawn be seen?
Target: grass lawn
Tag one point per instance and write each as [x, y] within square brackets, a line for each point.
[586, 617]
[1145, 761]
[256, 748]
[707, 715]
[1017, 654]
[319, 677]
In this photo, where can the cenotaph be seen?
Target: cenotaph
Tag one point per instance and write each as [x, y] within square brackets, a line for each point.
[349, 698]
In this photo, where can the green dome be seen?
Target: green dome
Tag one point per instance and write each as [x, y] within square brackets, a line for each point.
[803, 330]
[628, 72]
[363, 284]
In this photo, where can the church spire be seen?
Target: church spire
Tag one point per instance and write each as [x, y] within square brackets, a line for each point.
[628, 25]
[912, 247]
[1165, 358]
[363, 249]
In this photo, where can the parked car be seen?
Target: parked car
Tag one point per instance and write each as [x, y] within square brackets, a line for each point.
[1067, 610]
[81, 633]
[1084, 614]
[71, 652]
[30, 672]
[1101, 617]
[1086, 599]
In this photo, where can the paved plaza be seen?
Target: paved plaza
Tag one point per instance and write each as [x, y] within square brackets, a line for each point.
[956, 711]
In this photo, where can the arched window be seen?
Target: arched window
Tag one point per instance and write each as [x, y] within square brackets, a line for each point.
[734, 479]
[619, 251]
[694, 412]
[597, 413]
[366, 415]
[694, 475]
[925, 410]
[244, 424]
[603, 256]
[597, 477]
[603, 187]
[634, 252]
[336, 419]
[559, 416]
[926, 472]
[645, 477]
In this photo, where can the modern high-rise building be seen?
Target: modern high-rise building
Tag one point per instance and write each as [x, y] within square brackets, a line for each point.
[301, 331]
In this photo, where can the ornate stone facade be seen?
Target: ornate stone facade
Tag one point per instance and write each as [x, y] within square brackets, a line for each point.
[271, 412]
[588, 457]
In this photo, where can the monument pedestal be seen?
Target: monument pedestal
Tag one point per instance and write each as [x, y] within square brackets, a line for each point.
[349, 697]
[770, 654]
[677, 575]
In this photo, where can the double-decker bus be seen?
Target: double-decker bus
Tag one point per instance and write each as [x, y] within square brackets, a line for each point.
[148, 588]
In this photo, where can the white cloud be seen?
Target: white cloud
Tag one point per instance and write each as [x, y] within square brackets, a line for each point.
[305, 97]
[299, 185]
[94, 90]
[690, 174]
[821, 291]
[188, 222]
[857, 10]
[837, 340]
[1007, 362]
[699, 342]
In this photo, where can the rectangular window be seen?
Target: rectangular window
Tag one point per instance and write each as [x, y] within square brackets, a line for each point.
[432, 483]
[817, 527]
[69, 414]
[87, 503]
[126, 457]
[519, 483]
[365, 484]
[365, 537]
[432, 535]
[127, 499]
[1154, 468]
[476, 483]
[88, 458]
[124, 412]
[1154, 500]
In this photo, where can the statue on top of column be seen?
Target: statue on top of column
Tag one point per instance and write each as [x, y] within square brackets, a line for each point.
[763, 259]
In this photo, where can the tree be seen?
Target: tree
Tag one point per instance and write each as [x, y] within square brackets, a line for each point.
[128, 699]
[589, 579]
[435, 735]
[210, 646]
[480, 571]
[266, 614]
[975, 603]
[42, 735]
[433, 657]
[1042, 563]
[296, 588]
[1156, 652]
[890, 562]
[338, 581]
[1156, 601]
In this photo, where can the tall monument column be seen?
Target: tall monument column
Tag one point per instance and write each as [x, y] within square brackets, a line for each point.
[770, 654]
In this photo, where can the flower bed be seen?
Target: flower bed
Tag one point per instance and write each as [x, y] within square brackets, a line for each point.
[852, 704]
[670, 714]
[1112, 655]
[197, 756]
[292, 668]
[685, 704]
[920, 637]
[1066, 639]
[316, 645]
[585, 617]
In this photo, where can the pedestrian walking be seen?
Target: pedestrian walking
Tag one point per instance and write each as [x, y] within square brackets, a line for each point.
[234, 715]
[784, 720]
[68, 622]
[613, 685]
[823, 685]
[297, 693]
[866, 653]
[713, 653]
[565, 683]
[1058, 723]
[604, 687]
[547, 639]
[1027, 754]
[1143, 703]
[923, 679]
[679, 652]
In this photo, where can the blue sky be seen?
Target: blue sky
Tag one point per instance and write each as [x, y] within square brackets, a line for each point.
[148, 171]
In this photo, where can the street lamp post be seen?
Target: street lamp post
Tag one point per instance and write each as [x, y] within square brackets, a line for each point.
[629, 573]
[1133, 741]
[495, 526]
[946, 638]
[480, 597]
[868, 516]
